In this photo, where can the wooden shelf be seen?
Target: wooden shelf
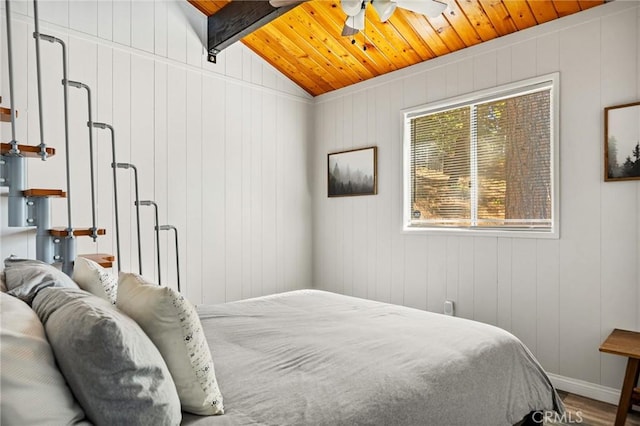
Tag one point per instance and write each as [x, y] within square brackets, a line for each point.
[625, 343]
[39, 192]
[103, 259]
[27, 150]
[77, 232]
[5, 114]
[622, 342]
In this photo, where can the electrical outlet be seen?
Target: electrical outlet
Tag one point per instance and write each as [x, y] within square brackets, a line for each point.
[449, 308]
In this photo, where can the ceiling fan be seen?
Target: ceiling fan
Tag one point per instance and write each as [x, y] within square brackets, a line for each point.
[355, 10]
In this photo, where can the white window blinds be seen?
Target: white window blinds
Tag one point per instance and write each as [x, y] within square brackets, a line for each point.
[485, 164]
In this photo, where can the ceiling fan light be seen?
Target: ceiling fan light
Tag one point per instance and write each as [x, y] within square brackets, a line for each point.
[431, 8]
[283, 3]
[348, 31]
[351, 7]
[384, 8]
[358, 20]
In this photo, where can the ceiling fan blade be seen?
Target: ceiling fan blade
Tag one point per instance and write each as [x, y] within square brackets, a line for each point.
[283, 3]
[431, 8]
[384, 8]
[351, 7]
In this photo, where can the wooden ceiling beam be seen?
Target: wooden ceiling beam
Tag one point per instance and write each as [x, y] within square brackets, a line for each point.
[238, 19]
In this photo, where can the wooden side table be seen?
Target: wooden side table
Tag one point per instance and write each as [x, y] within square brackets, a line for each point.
[625, 343]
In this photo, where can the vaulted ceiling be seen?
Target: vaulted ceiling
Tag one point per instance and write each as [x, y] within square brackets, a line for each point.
[305, 43]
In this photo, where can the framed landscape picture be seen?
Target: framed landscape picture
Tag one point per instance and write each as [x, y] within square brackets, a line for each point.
[352, 172]
[622, 142]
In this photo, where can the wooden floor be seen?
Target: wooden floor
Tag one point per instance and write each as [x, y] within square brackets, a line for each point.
[592, 412]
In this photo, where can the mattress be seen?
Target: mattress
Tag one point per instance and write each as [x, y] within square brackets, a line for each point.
[310, 357]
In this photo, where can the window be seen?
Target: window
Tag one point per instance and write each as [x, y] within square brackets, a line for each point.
[485, 162]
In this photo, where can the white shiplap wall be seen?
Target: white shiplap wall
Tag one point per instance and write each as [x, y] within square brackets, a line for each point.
[222, 148]
[224, 151]
[560, 297]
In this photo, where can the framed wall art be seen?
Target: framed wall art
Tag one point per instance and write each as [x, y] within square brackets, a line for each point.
[352, 172]
[622, 142]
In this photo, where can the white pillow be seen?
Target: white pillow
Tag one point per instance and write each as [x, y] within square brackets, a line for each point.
[172, 323]
[34, 391]
[95, 279]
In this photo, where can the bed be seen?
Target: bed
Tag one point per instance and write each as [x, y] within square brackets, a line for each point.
[311, 357]
[314, 357]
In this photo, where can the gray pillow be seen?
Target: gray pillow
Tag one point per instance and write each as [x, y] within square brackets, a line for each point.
[114, 370]
[26, 277]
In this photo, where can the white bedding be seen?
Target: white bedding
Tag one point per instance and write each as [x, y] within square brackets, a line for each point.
[310, 357]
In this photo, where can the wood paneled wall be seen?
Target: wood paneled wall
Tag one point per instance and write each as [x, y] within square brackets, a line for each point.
[222, 148]
[561, 297]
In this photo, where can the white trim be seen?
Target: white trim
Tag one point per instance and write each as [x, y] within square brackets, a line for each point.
[549, 82]
[51, 27]
[491, 94]
[582, 388]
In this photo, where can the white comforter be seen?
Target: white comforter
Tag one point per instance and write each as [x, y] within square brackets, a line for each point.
[310, 357]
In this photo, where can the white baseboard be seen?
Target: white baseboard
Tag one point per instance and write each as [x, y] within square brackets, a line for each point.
[582, 388]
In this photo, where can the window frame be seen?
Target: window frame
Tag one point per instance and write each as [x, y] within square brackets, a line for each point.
[522, 87]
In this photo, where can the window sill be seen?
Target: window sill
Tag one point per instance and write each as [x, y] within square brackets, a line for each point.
[495, 233]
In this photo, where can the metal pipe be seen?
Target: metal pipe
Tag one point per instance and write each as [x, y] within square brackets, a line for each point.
[167, 228]
[14, 163]
[36, 36]
[67, 263]
[115, 186]
[153, 203]
[135, 175]
[78, 85]
[14, 144]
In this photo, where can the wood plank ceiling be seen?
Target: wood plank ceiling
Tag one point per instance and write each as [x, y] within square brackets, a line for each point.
[305, 43]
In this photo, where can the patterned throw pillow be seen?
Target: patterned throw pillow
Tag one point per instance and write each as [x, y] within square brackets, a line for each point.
[172, 323]
[95, 279]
